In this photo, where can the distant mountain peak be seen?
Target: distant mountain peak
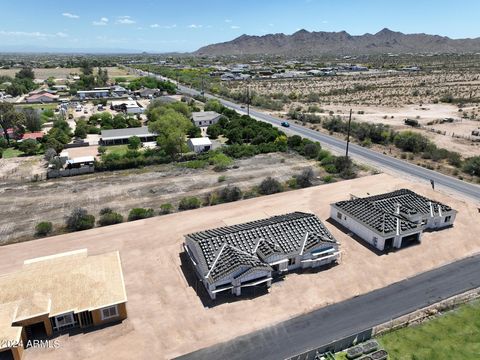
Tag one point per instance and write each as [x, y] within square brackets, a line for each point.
[304, 43]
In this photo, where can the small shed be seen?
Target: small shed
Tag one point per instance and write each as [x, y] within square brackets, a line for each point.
[199, 145]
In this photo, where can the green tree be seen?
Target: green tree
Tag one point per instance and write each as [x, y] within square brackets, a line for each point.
[25, 73]
[33, 122]
[28, 146]
[213, 105]
[9, 118]
[171, 127]
[134, 143]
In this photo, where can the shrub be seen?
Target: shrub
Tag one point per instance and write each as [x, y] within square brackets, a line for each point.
[411, 141]
[50, 154]
[230, 193]
[328, 179]
[106, 210]
[311, 150]
[79, 219]
[43, 228]
[222, 178]
[472, 166]
[330, 168]
[304, 179]
[166, 209]
[269, 186]
[110, 218]
[140, 213]
[189, 202]
[323, 154]
[220, 161]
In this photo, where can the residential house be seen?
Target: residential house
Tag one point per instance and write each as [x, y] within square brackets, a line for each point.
[205, 118]
[236, 257]
[121, 136]
[392, 220]
[128, 106]
[42, 97]
[52, 294]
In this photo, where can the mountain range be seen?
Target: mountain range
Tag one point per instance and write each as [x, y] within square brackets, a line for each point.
[305, 43]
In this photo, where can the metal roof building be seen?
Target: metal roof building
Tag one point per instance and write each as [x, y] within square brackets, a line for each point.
[250, 254]
[121, 136]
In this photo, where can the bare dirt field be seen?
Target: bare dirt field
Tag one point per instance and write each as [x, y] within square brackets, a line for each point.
[388, 98]
[31, 202]
[21, 169]
[63, 73]
[167, 318]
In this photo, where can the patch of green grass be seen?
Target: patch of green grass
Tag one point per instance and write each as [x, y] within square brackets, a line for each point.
[194, 164]
[455, 335]
[341, 356]
[117, 149]
[39, 106]
[11, 152]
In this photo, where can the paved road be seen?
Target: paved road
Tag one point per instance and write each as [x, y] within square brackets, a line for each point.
[336, 321]
[363, 154]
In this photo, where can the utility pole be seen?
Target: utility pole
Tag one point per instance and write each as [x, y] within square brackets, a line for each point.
[348, 132]
[248, 99]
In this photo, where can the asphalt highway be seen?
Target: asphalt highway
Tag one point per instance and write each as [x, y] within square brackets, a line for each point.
[364, 154]
[349, 317]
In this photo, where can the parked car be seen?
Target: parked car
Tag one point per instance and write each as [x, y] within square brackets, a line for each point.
[285, 124]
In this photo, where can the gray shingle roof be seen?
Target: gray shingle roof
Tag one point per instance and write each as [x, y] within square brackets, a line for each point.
[379, 212]
[282, 235]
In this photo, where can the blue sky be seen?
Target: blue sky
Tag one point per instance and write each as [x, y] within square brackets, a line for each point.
[163, 26]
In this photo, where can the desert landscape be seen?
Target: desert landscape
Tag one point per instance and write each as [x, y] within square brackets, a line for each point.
[164, 308]
[22, 199]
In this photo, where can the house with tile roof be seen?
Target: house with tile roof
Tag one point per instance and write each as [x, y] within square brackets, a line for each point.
[392, 220]
[236, 257]
[56, 293]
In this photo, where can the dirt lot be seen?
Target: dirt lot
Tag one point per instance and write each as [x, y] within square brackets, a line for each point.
[124, 190]
[389, 98]
[63, 73]
[166, 316]
[21, 169]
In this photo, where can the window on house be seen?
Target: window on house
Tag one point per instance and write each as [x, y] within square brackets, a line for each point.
[109, 312]
[291, 261]
[339, 215]
[64, 320]
[448, 218]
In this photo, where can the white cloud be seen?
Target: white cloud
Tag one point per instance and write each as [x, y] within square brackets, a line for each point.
[228, 20]
[195, 26]
[32, 34]
[324, 22]
[271, 25]
[157, 26]
[102, 22]
[234, 27]
[70, 15]
[125, 20]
